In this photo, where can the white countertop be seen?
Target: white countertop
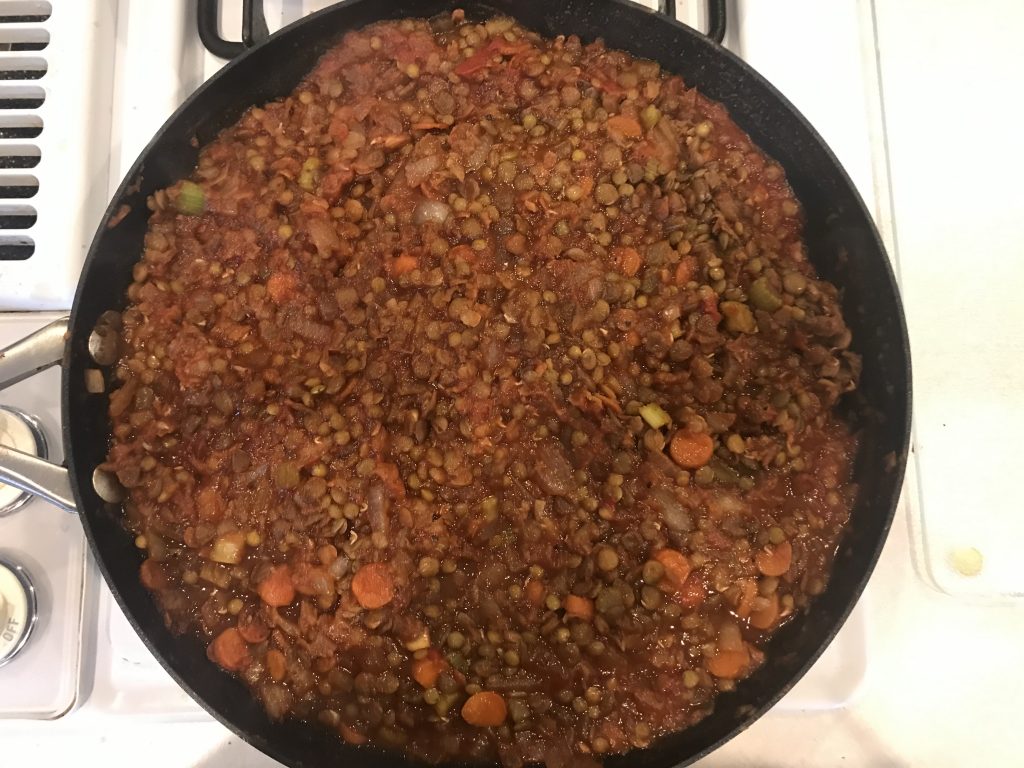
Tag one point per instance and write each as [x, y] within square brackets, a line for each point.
[942, 670]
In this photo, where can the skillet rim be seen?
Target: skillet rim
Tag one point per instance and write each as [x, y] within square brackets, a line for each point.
[645, 757]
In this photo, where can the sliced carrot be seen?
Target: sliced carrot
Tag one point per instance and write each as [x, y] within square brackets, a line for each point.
[277, 589]
[373, 585]
[685, 270]
[276, 665]
[152, 575]
[485, 709]
[729, 664]
[579, 607]
[691, 450]
[281, 286]
[402, 264]
[765, 618]
[775, 561]
[425, 671]
[230, 651]
[627, 258]
[351, 735]
[623, 126]
[677, 569]
[535, 592]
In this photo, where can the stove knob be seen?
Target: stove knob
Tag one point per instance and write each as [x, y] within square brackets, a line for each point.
[24, 433]
[18, 609]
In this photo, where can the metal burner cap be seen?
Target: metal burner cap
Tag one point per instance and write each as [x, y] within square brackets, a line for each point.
[18, 609]
[24, 433]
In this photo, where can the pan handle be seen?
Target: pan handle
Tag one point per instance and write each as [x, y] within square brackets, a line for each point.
[254, 27]
[31, 474]
[33, 354]
[716, 17]
[50, 482]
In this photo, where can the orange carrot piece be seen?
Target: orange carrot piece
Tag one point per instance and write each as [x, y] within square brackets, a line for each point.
[624, 126]
[691, 450]
[281, 286]
[276, 664]
[373, 585]
[775, 561]
[579, 607]
[425, 671]
[485, 709]
[765, 618]
[685, 270]
[402, 264]
[229, 650]
[677, 568]
[277, 589]
[729, 664]
[627, 258]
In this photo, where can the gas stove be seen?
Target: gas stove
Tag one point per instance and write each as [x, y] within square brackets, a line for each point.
[83, 86]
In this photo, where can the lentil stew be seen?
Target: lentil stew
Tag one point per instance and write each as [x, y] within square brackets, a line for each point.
[479, 399]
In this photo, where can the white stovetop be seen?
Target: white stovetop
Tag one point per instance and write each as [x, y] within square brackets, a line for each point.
[943, 671]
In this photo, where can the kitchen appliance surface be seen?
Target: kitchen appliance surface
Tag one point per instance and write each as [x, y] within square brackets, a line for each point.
[847, 676]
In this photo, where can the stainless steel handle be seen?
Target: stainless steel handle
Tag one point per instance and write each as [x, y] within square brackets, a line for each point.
[39, 477]
[31, 474]
[34, 353]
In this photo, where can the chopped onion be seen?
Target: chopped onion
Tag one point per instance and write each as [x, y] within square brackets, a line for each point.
[417, 171]
[431, 210]
[729, 637]
[94, 383]
[655, 415]
[419, 643]
[673, 513]
[228, 548]
[726, 504]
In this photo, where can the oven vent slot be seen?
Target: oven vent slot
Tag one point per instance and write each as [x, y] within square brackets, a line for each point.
[19, 38]
[22, 67]
[24, 11]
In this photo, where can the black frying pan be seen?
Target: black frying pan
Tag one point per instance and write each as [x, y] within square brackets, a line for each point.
[843, 244]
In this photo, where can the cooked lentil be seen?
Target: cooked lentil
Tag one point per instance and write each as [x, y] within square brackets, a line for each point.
[478, 398]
